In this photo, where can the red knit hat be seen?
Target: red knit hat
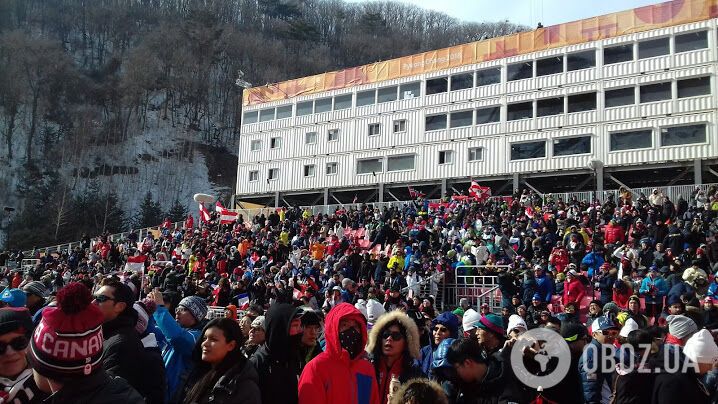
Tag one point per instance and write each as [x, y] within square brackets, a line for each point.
[67, 343]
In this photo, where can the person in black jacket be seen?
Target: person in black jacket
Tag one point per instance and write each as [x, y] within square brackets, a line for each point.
[276, 361]
[394, 349]
[222, 374]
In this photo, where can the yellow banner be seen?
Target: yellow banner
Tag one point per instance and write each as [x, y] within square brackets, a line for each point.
[601, 27]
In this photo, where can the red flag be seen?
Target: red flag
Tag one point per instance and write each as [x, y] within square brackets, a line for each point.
[136, 264]
[203, 213]
[218, 207]
[227, 216]
[413, 193]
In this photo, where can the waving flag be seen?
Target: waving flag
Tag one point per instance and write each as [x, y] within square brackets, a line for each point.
[218, 207]
[136, 264]
[227, 217]
[413, 193]
[203, 213]
[243, 301]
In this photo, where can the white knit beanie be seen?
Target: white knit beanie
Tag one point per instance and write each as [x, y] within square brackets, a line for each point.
[515, 321]
[374, 310]
[701, 348]
[469, 320]
[681, 326]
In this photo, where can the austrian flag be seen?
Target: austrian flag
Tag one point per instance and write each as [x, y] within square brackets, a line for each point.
[227, 216]
[203, 213]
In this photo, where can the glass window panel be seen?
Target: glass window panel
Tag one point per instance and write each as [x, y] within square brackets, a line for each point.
[250, 117]
[366, 98]
[332, 168]
[549, 106]
[694, 87]
[387, 94]
[582, 102]
[342, 102]
[462, 81]
[691, 41]
[253, 176]
[309, 170]
[435, 122]
[446, 157]
[520, 110]
[488, 76]
[621, 96]
[284, 112]
[400, 125]
[305, 108]
[322, 105]
[255, 145]
[638, 139]
[617, 54]
[266, 115]
[581, 60]
[653, 48]
[678, 135]
[273, 173]
[518, 71]
[462, 118]
[374, 129]
[655, 92]
[435, 86]
[552, 65]
[488, 115]
[310, 137]
[571, 146]
[275, 143]
[410, 90]
[332, 135]
[528, 150]
[396, 163]
[476, 153]
[369, 166]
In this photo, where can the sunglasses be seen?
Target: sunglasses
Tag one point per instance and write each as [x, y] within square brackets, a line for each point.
[395, 335]
[610, 333]
[17, 344]
[441, 329]
[103, 298]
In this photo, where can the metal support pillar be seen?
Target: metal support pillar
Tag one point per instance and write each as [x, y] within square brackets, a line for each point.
[444, 187]
[276, 199]
[712, 171]
[697, 171]
[531, 187]
[381, 192]
[617, 181]
[599, 179]
[393, 196]
[326, 196]
[517, 184]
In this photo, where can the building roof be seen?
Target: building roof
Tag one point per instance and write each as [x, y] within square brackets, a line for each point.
[590, 29]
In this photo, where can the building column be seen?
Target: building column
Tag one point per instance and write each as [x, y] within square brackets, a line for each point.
[517, 183]
[276, 199]
[444, 187]
[697, 171]
[381, 192]
[599, 179]
[326, 196]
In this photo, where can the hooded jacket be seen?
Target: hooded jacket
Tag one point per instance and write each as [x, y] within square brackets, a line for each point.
[98, 388]
[449, 320]
[334, 377]
[276, 364]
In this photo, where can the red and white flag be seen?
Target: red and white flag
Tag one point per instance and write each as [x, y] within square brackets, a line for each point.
[136, 264]
[413, 193]
[203, 213]
[227, 216]
[478, 192]
[218, 207]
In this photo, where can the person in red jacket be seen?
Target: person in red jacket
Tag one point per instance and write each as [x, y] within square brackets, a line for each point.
[621, 293]
[341, 374]
[573, 289]
[559, 257]
[613, 232]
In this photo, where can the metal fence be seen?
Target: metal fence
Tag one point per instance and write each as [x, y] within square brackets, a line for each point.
[673, 192]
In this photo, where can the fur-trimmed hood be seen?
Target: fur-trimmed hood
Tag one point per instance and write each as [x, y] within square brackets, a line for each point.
[412, 332]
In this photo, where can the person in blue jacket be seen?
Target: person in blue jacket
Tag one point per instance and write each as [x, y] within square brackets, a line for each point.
[593, 262]
[544, 284]
[595, 380]
[445, 325]
[654, 289]
[181, 335]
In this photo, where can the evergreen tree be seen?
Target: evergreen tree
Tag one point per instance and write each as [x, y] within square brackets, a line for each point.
[177, 212]
[114, 216]
[150, 213]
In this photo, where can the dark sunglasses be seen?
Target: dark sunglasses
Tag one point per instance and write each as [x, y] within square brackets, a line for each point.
[395, 335]
[441, 329]
[17, 344]
[103, 298]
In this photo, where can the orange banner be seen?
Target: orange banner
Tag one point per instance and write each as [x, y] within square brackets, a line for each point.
[601, 27]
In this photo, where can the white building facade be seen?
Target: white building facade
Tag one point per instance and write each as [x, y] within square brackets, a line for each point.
[646, 99]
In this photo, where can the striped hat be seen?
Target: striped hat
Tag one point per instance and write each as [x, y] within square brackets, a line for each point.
[67, 344]
[36, 288]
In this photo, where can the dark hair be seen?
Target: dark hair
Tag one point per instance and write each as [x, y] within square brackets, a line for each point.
[639, 337]
[463, 349]
[123, 293]
[407, 360]
[205, 375]
[419, 391]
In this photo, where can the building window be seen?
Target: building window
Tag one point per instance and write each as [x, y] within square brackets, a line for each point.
[476, 153]
[386, 94]
[435, 86]
[571, 146]
[462, 81]
[305, 108]
[284, 112]
[655, 92]
[679, 135]
[446, 157]
[342, 102]
[400, 125]
[398, 163]
[253, 176]
[462, 118]
[582, 102]
[309, 170]
[488, 115]
[249, 117]
[519, 71]
[691, 41]
[322, 105]
[617, 54]
[435, 122]
[366, 98]
[488, 76]
[621, 96]
[637, 139]
[275, 143]
[549, 106]
[332, 135]
[410, 90]
[332, 168]
[273, 174]
[521, 110]
[369, 166]
[528, 150]
[581, 60]
[310, 138]
[266, 115]
[694, 87]
[374, 129]
[653, 48]
[255, 145]
[547, 66]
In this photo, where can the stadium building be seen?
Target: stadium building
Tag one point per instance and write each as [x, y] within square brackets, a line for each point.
[622, 99]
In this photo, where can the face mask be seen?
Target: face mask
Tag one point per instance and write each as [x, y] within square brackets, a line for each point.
[350, 339]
